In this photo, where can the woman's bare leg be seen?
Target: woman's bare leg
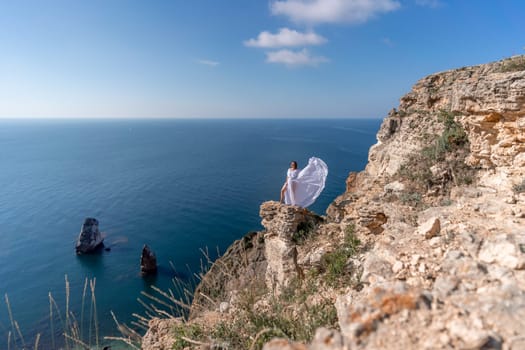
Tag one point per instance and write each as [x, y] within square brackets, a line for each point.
[283, 191]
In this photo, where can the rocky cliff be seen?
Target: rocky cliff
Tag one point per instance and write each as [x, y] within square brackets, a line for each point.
[424, 250]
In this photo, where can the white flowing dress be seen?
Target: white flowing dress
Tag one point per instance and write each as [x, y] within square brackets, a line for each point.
[303, 187]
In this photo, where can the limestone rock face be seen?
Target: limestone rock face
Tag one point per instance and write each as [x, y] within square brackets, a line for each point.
[489, 102]
[148, 261]
[89, 240]
[282, 222]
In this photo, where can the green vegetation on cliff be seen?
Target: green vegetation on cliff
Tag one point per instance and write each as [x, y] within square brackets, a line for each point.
[439, 166]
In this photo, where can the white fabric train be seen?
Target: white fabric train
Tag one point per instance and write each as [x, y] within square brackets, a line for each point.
[304, 189]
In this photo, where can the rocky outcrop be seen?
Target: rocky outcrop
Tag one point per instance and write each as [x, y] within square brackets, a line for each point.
[242, 265]
[441, 263]
[488, 100]
[283, 224]
[160, 334]
[148, 261]
[90, 239]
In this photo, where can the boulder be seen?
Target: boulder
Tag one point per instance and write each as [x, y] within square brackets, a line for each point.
[282, 222]
[160, 333]
[430, 228]
[502, 250]
[148, 261]
[89, 240]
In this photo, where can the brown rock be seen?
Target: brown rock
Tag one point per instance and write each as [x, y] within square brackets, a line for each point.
[90, 239]
[351, 182]
[148, 261]
[327, 339]
[430, 228]
[372, 218]
[493, 118]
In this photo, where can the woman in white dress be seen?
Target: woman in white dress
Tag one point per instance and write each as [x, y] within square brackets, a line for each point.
[303, 187]
[291, 175]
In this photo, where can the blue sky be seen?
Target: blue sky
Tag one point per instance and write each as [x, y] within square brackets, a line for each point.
[238, 58]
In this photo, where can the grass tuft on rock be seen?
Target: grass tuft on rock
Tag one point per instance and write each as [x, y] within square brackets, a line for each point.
[334, 266]
[304, 231]
[513, 64]
[519, 188]
[294, 314]
[437, 167]
[186, 334]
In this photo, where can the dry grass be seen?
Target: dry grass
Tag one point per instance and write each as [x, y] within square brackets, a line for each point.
[259, 315]
[295, 314]
[513, 64]
[72, 330]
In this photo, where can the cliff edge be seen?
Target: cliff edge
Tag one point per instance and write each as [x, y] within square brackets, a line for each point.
[424, 250]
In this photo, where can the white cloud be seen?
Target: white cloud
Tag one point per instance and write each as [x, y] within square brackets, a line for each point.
[332, 11]
[285, 38]
[429, 3]
[294, 58]
[208, 63]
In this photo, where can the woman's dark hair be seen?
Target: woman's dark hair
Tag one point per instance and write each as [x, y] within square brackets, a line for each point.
[294, 164]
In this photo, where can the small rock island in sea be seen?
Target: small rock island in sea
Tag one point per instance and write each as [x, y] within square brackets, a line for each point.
[89, 240]
[148, 261]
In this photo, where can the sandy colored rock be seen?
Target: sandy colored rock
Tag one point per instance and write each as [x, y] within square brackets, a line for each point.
[502, 250]
[282, 222]
[430, 228]
[395, 187]
[283, 344]
[159, 335]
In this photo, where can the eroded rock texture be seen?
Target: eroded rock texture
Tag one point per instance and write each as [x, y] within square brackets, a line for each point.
[282, 224]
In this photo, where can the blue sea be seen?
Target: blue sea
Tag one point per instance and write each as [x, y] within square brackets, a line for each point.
[176, 185]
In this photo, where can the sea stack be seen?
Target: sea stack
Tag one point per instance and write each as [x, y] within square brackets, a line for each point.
[148, 261]
[89, 240]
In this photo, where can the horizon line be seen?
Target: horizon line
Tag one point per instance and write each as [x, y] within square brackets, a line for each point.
[185, 118]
